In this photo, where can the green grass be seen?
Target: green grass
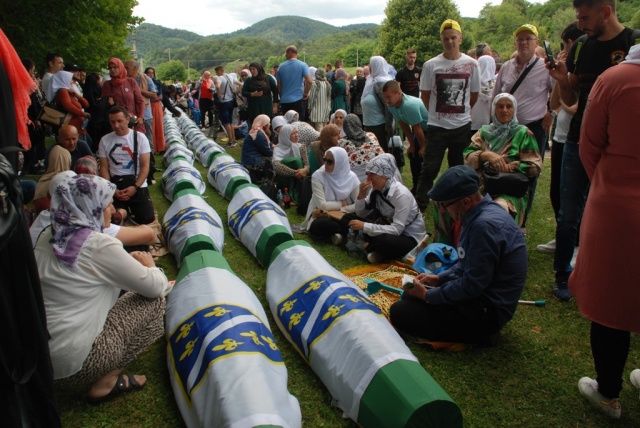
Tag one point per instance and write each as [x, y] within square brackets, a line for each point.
[528, 380]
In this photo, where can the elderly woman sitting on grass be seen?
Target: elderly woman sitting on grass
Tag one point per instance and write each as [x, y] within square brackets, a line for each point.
[94, 333]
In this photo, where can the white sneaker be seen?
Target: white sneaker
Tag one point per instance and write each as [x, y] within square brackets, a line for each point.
[549, 247]
[635, 378]
[589, 389]
[336, 239]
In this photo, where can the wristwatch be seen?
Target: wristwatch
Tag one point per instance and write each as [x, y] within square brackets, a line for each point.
[553, 113]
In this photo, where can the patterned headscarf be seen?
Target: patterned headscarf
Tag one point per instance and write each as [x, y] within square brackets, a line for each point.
[321, 75]
[286, 148]
[383, 165]
[497, 134]
[86, 165]
[340, 74]
[338, 184]
[352, 128]
[77, 210]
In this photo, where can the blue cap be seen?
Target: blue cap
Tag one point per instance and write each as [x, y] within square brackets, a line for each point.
[456, 182]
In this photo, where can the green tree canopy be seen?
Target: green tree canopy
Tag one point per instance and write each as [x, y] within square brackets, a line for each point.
[84, 32]
[171, 71]
[414, 24]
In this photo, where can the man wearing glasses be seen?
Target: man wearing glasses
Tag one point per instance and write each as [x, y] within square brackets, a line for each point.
[532, 93]
[474, 299]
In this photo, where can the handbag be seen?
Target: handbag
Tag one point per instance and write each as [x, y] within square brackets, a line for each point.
[513, 184]
[238, 99]
[54, 115]
[270, 189]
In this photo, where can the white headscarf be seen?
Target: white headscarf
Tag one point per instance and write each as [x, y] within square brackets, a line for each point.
[339, 183]
[487, 69]
[277, 122]
[63, 80]
[313, 70]
[332, 121]
[379, 73]
[290, 116]
[286, 148]
[634, 55]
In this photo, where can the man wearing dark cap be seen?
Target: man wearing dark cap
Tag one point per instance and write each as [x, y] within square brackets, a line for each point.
[474, 299]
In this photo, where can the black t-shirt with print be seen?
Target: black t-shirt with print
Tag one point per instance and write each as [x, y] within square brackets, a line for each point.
[588, 59]
[409, 80]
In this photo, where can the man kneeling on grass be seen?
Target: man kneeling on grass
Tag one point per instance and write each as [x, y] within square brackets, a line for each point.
[474, 299]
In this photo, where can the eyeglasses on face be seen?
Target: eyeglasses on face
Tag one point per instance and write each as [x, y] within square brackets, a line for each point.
[526, 39]
[445, 206]
[328, 161]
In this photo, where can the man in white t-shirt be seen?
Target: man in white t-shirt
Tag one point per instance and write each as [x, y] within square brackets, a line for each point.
[449, 86]
[55, 63]
[116, 155]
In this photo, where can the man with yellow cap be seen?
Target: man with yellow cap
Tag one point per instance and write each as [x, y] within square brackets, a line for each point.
[532, 89]
[449, 86]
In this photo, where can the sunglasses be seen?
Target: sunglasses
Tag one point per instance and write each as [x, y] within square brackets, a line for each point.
[328, 161]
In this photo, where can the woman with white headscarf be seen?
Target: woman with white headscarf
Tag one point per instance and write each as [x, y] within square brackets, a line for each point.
[94, 333]
[67, 97]
[387, 212]
[334, 188]
[291, 116]
[337, 118]
[375, 115]
[290, 160]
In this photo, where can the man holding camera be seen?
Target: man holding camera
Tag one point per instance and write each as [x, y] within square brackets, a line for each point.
[124, 159]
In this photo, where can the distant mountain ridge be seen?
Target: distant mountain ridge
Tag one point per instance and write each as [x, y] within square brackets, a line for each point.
[278, 29]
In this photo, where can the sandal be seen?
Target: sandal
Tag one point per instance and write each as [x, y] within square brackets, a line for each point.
[119, 388]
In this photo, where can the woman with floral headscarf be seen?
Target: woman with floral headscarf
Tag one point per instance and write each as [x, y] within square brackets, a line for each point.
[320, 100]
[334, 188]
[361, 146]
[387, 212]
[340, 91]
[506, 146]
[93, 332]
[290, 160]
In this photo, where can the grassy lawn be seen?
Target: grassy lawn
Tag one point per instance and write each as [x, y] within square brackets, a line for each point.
[528, 380]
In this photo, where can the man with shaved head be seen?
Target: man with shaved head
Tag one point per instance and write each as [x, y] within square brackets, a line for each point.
[291, 75]
[68, 138]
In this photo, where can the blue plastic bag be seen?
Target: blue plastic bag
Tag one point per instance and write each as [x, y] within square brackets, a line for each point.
[436, 258]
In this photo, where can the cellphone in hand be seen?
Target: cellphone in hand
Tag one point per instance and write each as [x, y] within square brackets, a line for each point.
[547, 49]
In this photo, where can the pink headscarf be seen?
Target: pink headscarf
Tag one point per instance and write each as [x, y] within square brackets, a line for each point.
[117, 81]
[258, 123]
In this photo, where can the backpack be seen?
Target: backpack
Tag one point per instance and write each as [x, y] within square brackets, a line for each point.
[11, 201]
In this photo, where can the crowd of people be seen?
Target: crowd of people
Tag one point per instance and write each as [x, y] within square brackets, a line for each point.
[327, 138]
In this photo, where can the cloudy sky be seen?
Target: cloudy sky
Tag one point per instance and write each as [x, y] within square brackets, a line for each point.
[208, 17]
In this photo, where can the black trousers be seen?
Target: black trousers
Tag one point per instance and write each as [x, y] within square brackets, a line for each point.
[140, 206]
[390, 247]
[206, 108]
[297, 106]
[556, 168]
[472, 321]
[610, 348]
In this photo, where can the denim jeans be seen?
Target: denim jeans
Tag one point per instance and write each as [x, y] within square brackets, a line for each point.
[438, 141]
[574, 187]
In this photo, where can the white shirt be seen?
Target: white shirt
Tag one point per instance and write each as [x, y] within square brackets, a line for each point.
[77, 300]
[119, 151]
[451, 83]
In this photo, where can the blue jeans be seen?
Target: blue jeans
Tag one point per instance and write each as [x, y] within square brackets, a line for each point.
[574, 187]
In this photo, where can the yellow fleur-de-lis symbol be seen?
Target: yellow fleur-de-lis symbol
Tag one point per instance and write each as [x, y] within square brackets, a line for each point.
[217, 312]
[227, 345]
[332, 312]
[351, 297]
[287, 306]
[270, 342]
[246, 204]
[253, 335]
[295, 319]
[313, 286]
[188, 349]
[185, 329]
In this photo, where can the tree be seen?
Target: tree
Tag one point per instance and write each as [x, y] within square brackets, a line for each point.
[172, 70]
[83, 32]
[414, 23]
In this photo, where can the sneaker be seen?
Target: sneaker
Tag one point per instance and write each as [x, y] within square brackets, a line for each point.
[375, 257]
[232, 144]
[635, 378]
[336, 239]
[549, 247]
[589, 389]
[561, 292]
[574, 257]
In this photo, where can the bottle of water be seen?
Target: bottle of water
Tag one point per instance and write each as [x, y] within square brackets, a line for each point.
[360, 244]
[279, 197]
[410, 257]
[351, 243]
